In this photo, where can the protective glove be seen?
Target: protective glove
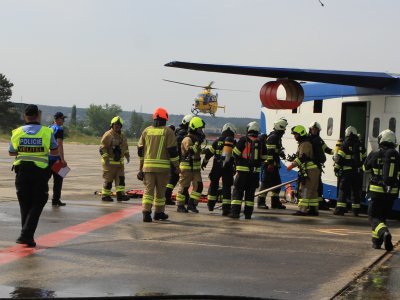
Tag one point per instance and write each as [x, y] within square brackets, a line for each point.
[290, 167]
[140, 175]
[128, 159]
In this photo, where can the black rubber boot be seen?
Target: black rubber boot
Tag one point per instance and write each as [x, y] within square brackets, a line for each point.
[192, 207]
[107, 198]
[356, 212]
[226, 209]
[211, 204]
[387, 241]
[147, 216]
[181, 208]
[160, 216]
[168, 196]
[313, 211]
[261, 203]
[276, 203]
[122, 196]
[235, 211]
[339, 211]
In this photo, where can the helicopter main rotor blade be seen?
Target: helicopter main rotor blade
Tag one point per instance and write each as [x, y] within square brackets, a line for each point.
[200, 86]
[207, 87]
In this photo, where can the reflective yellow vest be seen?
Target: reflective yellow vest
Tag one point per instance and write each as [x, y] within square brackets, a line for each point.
[32, 147]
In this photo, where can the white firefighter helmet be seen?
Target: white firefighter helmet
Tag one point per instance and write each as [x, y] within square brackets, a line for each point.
[186, 119]
[229, 126]
[387, 136]
[315, 125]
[350, 130]
[253, 126]
[280, 124]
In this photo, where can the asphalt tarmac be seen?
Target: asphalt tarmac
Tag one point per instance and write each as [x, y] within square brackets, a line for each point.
[93, 249]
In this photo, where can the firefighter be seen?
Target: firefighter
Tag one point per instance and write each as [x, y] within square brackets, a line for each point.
[248, 161]
[113, 150]
[190, 167]
[180, 133]
[384, 165]
[157, 150]
[348, 164]
[270, 170]
[223, 167]
[308, 173]
[321, 148]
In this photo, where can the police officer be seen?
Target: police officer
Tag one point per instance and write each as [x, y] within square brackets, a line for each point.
[113, 150]
[58, 132]
[223, 167]
[157, 152]
[30, 144]
[308, 173]
[270, 170]
[348, 164]
[315, 139]
[180, 134]
[384, 165]
[248, 161]
[190, 167]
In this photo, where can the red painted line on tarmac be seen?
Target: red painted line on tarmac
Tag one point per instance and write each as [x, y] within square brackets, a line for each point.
[50, 240]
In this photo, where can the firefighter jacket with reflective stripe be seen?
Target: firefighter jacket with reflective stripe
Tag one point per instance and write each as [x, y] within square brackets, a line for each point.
[114, 147]
[304, 156]
[351, 155]
[375, 163]
[157, 149]
[190, 151]
[247, 154]
[274, 148]
[32, 147]
[221, 149]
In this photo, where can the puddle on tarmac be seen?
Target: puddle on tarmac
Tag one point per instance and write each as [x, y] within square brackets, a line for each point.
[25, 292]
[380, 283]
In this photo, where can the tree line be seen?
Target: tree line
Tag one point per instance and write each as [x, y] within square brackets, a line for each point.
[96, 121]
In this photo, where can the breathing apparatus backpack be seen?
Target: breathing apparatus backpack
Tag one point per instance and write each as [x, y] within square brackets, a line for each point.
[319, 154]
[390, 167]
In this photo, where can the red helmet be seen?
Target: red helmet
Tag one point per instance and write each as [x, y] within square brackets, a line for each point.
[161, 113]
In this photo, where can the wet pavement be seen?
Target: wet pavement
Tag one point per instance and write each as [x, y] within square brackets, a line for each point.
[94, 249]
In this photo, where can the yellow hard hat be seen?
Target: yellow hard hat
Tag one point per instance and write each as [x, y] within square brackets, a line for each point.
[116, 119]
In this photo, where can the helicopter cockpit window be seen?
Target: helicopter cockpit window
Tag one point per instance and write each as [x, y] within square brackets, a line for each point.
[375, 127]
[392, 124]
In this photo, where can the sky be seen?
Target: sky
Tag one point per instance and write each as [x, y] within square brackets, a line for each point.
[83, 52]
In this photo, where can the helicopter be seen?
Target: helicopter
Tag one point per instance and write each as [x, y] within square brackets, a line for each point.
[206, 102]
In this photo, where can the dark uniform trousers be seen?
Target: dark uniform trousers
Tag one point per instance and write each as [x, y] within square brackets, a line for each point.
[270, 179]
[57, 183]
[32, 188]
[379, 207]
[350, 185]
[244, 188]
[226, 174]
[172, 181]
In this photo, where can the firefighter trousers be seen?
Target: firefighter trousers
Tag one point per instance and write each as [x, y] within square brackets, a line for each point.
[186, 178]
[154, 191]
[270, 179]
[116, 173]
[309, 190]
[379, 208]
[218, 172]
[244, 188]
[350, 185]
